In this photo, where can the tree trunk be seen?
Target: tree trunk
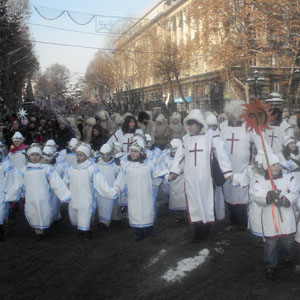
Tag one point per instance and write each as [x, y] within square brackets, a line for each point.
[186, 104]
[288, 98]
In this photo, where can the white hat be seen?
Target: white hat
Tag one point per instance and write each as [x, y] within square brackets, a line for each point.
[48, 153]
[18, 137]
[211, 120]
[73, 143]
[51, 143]
[106, 150]
[273, 159]
[84, 148]
[175, 143]
[34, 149]
[138, 145]
[288, 139]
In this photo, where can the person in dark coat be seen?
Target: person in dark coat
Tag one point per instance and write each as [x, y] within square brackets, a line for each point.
[63, 136]
[99, 137]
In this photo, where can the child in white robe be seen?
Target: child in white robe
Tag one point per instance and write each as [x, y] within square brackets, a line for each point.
[71, 152]
[248, 178]
[7, 176]
[63, 172]
[85, 180]
[175, 188]
[107, 209]
[17, 152]
[36, 179]
[278, 218]
[137, 174]
[17, 156]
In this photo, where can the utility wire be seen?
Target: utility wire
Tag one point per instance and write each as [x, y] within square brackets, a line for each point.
[96, 48]
[78, 31]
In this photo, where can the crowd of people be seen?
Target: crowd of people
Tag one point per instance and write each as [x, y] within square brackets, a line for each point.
[110, 164]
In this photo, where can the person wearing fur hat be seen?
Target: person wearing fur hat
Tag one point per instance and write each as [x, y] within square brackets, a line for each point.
[162, 132]
[107, 209]
[194, 160]
[105, 121]
[238, 144]
[277, 131]
[176, 128]
[124, 134]
[85, 180]
[278, 218]
[137, 175]
[7, 177]
[36, 179]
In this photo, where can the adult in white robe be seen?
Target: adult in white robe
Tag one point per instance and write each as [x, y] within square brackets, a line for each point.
[125, 134]
[277, 132]
[194, 160]
[238, 143]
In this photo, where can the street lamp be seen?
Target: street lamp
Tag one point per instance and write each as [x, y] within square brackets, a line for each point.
[257, 82]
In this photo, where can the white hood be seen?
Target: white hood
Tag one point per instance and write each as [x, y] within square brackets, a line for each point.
[196, 115]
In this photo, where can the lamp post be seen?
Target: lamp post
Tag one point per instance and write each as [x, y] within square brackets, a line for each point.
[257, 82]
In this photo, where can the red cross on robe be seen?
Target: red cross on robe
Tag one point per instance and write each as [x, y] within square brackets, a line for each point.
[195, 153]
[272, 136]
[128, 143]
[232, 142]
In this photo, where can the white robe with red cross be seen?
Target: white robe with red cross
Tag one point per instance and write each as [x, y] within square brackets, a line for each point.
[123, 138]
[238, 146]
[194, 159]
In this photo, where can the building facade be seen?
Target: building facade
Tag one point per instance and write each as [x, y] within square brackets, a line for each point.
[201, 84]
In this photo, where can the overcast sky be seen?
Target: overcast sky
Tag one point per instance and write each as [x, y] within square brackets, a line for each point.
[76, 59]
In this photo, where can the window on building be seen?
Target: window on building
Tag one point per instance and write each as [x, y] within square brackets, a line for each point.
[276, 87]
